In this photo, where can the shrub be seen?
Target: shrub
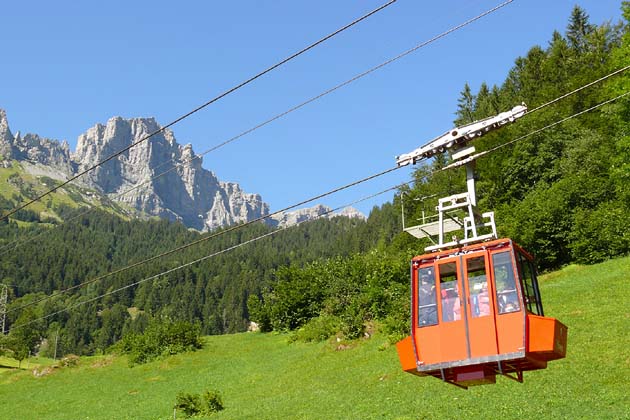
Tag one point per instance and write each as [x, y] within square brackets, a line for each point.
[190, 404]
[70, 360]
[600, 234]
[352, 324]
[397, 324]
[317, 329]
[199, 404]
[160, 339]
[212, 401]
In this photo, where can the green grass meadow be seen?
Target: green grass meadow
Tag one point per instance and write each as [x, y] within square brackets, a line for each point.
[71, 195]
[261, 376]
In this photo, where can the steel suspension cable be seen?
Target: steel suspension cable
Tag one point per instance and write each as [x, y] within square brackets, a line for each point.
[199, 108]
[207, 238]
[197, 261]
[308, 201]
[601, 79]
[398, 186]
[302, 203]
[17, 243]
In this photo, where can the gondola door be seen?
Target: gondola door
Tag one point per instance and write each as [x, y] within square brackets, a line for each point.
[454, 343]
[480, 309]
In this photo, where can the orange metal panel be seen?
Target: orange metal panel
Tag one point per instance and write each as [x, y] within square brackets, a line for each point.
[483, 337]
[429, 345]
[482, 333]
[453, 341]
[511, 332]
[547, 337]
[510, 326]
[406, 355]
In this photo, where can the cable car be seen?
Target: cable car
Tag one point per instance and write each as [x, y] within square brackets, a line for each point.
[476, 312]
[476, 309]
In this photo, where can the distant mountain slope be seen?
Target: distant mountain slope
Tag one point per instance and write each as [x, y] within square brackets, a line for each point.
[189, 193]
[186, 191]
[298, 216]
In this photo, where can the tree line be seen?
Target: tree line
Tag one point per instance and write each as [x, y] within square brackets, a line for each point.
[563, 194]
[212, 293]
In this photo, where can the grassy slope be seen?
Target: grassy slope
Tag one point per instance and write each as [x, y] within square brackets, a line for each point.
[70, 195]
[262, 377]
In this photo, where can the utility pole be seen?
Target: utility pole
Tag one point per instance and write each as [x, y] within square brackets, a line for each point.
[4, 294]
[56, 340]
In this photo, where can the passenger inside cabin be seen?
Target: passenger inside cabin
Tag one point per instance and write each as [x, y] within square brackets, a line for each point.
[457, 309]
[483, 301]
[479, 297]
[449, 293]
[426, 300]
[451, 309]
[507, 297]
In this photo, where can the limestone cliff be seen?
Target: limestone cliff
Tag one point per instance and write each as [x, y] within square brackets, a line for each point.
[157, 177]
[160, 177]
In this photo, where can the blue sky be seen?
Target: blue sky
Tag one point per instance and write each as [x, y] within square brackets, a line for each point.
[69, 65]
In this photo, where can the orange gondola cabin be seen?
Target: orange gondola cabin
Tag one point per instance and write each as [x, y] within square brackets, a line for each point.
[476, 309]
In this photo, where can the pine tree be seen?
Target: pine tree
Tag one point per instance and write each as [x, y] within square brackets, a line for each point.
[578, 29]
[465, 106]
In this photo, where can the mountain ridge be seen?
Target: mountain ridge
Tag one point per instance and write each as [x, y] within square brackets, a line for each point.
[156, 177]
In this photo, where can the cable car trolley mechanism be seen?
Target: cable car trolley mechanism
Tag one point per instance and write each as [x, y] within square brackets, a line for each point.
[476, 309]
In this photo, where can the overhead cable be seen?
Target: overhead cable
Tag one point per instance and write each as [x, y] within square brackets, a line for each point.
[207, 238]
[286, 227]
[18, 243]
[197, 261]
[601, 79]
[297, 205]
[199, 108]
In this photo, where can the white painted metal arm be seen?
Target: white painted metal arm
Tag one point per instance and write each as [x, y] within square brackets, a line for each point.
[461, 135]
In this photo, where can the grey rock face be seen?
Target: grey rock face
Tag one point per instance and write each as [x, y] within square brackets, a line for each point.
[5, 132]
[33, 148]
[6, 140]
[183, 191]
[351, 213]
[319, 211]
[157, 176]
[47, 152]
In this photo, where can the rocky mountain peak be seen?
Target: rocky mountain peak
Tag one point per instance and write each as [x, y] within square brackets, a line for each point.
[318, 211]
[157, 176]
[183, 191]
[5, 132]
[33, 148]
[6, 138]
[351, 213]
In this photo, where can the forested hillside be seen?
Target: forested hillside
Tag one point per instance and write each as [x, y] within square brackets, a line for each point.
[563, 193]
[212, 293]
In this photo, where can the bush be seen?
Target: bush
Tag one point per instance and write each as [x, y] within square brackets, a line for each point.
[317, 329]
[353, 323]
[213, 401]
[160, 339]
[190, 404]
[600, 234]
[397, 324]
[70, 360]
[199, 404]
